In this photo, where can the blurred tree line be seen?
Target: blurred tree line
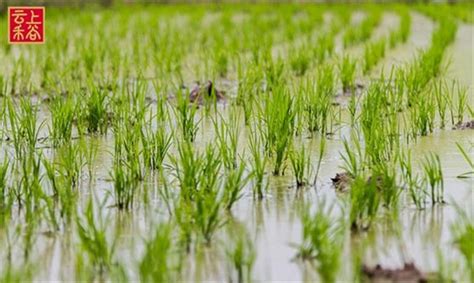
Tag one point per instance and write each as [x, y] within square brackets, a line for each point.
[107, 3]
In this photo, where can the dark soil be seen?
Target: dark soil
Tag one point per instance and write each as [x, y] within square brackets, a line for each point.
[408, 274]
[469, 125]
[200, 93]
[342, 181]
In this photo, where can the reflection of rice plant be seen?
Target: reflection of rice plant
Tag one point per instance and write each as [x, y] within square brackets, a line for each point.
[322, 242]
[155, 265]
[93, 240]
[241, 254]
[463, 231]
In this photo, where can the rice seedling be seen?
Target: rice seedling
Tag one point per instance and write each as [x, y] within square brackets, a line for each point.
[185, 113]
[3, 184]
[365, 203]
[347, 68]
[411, 180]
[300, 163]
[322, 242]
[62, 118]
[401, 34]
[227, 134]
[155, 146]
[318, 100]
[299, 60]
[95, 114]
[235, 182]
[71, 159]
[277, 118]
[434, 177]
[258, 162]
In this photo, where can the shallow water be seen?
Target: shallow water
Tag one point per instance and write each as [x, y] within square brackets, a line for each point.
[273, 223]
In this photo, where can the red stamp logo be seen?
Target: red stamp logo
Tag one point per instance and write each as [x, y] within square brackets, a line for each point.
[26, 25]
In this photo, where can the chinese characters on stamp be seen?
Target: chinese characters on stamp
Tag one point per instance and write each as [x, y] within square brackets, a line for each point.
[26, 25]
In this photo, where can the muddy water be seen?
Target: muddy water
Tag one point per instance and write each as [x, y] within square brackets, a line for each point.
[273, 223]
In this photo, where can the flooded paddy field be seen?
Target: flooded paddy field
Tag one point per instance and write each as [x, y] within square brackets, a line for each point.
[240, 143]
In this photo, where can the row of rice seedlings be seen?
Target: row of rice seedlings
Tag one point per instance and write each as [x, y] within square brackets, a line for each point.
[362, 32]
[401, 34]
[322, 241]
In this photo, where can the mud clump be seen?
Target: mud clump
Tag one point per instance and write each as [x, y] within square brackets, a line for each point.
[469, 125]
[408, 274]
[200, 93]
[342, 181]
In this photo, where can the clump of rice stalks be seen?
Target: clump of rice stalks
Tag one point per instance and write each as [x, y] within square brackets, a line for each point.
[258, 161]
[62, 116]
[373, 53]
[277, 125]
[95, 114]
[300, 163]
[227, 134]
[234, 184]
[70, 158]
[434, 177]
[241, 255]
[3, 185]
[24, 130]
[200, 201]
[469, 161]
[411, 180]
[155, 265]
[347, 68]
[185, 113]
[324, 47]
[155, 145]
[322, 242]
[124, 184]
[318, 99]
[299, 60]
[365, 202]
